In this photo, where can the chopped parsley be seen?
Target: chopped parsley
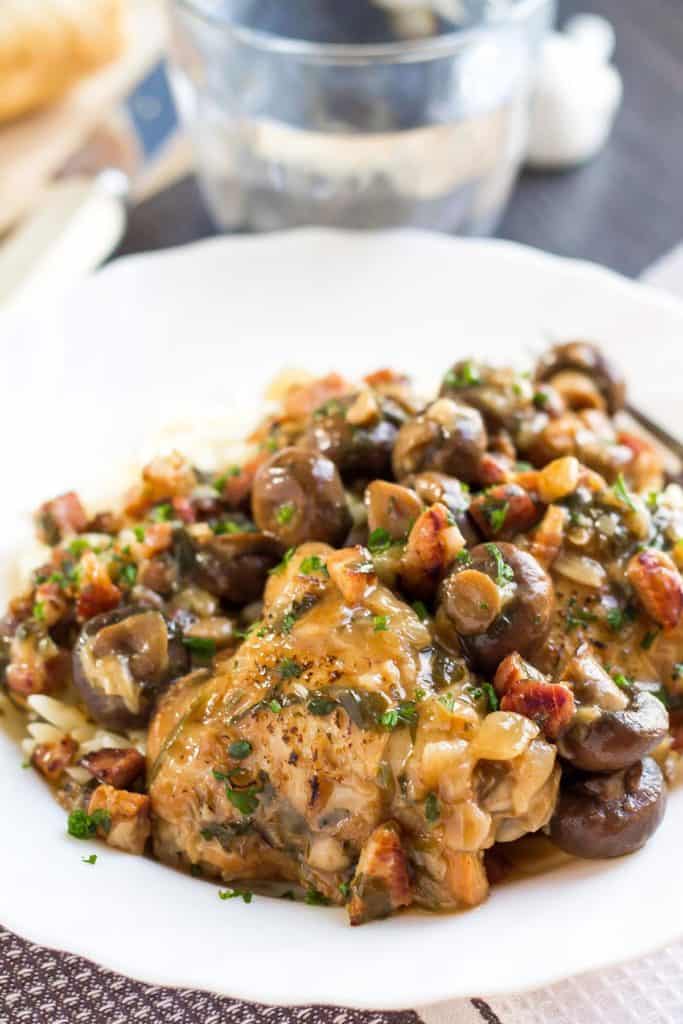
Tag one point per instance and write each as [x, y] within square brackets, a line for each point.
[622, 492]
[652, 500]
[540, 399]
[202, 646]
[289, 668]
[314, 898]
[92, 859]
[162, 513]
[496, 513]
[128, 574]
[420, 609]
[448, 700]
[288, 621]
[485, 690]
[677, 670]
[311, 564]
[285, 513]
[220, 481]
[39, 611]
[379, 540]
[232, 894]
[321, 706]
[649, 638]
[78, 546]
[228, 526]
[404, 714]
[240, 749]
[275, 706]
[380, 623]
[345, 889]
[139, 532]
[466, 376]
[432, 809]
[81, 825]
[281, 566]
[504, 572]
[622, 681]
[463, 557]
[245, 800]
[617, 618]
[578, 616]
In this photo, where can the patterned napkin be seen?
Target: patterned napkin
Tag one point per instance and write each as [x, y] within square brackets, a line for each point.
[38, 986]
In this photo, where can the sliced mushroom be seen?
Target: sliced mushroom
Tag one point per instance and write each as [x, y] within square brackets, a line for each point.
[612, 740]
[527, 605]
[391, 507]
[298, 496]
[599, 816]
[585, 358]
[121, 661]
[448, 437]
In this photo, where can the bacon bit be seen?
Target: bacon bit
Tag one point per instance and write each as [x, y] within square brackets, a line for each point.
[62, 517]
[505, 511]
[658, 584]
[592, 480]
[129, 824]
[36, 671]
[303, 399]
[52, 758]
[380, 378]
[550, 705]
[381, 883]
[237, 487]
[105, 522]
[164, 478]
[433, 544]
[646, 470]
[353, 571]
[54, 604]
[466, 878]
[514, 669]
[494, 469]
[115, 766]
[547, 540]
[183, 510]
[158, 538]
[96, 592]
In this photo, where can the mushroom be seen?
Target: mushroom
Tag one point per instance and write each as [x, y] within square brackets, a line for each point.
[121, 662]
[523, 608]
[586, 359]
[298, 496]
[391, 507]
[232, 566]
[448, 437]
[499, 394]
[614, 739]
[599, 816]
[433, 487]
[358, 449]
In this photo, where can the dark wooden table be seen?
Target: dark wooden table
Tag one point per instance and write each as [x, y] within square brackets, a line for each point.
[624, 209]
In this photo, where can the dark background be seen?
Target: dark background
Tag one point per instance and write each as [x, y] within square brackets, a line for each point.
[624, 209]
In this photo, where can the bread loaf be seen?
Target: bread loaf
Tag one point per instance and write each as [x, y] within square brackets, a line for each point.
[48, 45]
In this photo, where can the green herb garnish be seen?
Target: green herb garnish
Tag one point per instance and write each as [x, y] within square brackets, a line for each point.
[81, 825]
[578, 616]
[496, 513]
[285, 513]
[78, 546]
[463, 557]
[345, 889]
[232, 894]
[203, 646]
[162, 513]
[240, 749]
[92, 859]
[649, 638]
[139, 532]
[39, 611]
[275, 706]
[622, 681]
[379, 540]
[380, 623]
[128, 574]
[467, 376]
[245, 800]
[420, 609]
[311, 564]
[281, 566]
[622, 492]
[315, 898]
[432, 809]
[321, 706]
[540, 399]
[404, 714]
[289, 669]
[504, 572]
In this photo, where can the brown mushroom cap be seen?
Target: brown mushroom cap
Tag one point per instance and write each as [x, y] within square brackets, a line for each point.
[599, 816]
[298, 496]
[448, 437]
[524, 621]
[359, 451]
[586, 358]
[617, 738]
[234, 566]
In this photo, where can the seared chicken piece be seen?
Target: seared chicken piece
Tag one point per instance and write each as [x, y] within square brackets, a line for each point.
[337, 716]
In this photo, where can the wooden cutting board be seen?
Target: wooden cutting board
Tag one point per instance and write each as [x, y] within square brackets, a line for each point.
[35, 148]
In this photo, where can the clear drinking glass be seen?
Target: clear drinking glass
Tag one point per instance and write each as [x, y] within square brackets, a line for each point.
[427, 130]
